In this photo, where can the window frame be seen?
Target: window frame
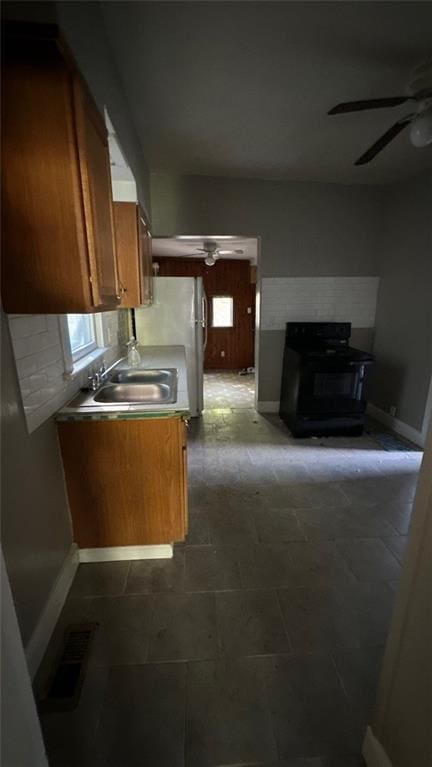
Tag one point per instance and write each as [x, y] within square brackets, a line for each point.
[222, 327]
[82, 351]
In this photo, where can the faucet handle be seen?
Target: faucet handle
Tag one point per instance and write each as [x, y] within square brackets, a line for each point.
[93, 381]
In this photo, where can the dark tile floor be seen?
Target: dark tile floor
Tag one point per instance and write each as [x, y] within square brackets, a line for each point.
[260, 642]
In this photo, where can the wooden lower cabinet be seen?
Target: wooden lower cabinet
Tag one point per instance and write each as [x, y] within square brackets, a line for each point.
[126, 480]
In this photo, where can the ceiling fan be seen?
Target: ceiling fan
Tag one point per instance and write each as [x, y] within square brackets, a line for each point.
[213, 252]
[420, 91]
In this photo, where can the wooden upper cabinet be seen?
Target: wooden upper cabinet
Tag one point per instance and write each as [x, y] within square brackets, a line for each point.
[93, 155]
[58, 245]
[146, 259]
[134, 257]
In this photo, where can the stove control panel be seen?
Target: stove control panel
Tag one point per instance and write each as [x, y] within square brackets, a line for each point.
[307, 332]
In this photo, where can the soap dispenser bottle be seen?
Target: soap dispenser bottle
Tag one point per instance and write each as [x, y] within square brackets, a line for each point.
[133, 357]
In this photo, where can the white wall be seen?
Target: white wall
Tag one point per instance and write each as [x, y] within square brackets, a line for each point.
[402, 719]
[43, 378]
[403, 334]
[307, 230]
[21, 737]
[318, 299]
[36, 527]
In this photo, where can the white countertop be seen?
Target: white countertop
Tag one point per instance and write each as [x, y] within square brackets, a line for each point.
[83, 405]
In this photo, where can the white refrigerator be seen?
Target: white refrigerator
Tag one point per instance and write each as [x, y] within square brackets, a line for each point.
[178, 316]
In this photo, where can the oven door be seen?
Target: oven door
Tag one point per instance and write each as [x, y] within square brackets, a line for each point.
[332, 387]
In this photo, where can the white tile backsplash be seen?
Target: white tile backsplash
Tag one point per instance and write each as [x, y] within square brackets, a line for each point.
[36, 341]
[318, 299]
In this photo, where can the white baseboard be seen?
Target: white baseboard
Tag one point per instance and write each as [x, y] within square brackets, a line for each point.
[116, 553]
[398, 426]
[38, 642]
[373, 752]
[268, 407]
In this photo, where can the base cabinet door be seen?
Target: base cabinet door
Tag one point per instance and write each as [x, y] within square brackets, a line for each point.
[125, 481]
[185, 478]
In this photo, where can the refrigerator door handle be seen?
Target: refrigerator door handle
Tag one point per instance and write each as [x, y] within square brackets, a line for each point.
[205, 319]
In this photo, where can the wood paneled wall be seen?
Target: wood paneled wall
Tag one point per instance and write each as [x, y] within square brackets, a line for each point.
[228, 277]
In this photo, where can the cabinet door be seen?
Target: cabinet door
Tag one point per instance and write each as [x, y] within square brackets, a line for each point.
[125, 481]
[145, 260]
[97, 197]
[44, 251]
[130, 270]
[184, 428]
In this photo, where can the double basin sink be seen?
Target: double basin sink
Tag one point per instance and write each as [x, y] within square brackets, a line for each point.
[134, 386]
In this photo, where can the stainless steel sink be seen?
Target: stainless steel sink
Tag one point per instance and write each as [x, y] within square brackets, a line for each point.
[138, 393]
[139, 376]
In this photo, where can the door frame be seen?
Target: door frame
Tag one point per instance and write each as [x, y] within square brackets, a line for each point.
[258, 239]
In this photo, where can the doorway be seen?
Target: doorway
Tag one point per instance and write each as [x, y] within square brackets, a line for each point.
[229, 386]
[229, 281]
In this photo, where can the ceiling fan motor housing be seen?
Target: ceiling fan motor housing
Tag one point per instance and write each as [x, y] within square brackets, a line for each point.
[420, 86]
[210, 246]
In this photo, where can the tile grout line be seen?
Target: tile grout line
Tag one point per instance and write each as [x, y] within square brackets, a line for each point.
[126, 581]
[285, 627]
[263, 675]
[220, 653]
[185, 712]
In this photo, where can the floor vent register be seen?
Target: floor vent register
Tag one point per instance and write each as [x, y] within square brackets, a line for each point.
[64, 686]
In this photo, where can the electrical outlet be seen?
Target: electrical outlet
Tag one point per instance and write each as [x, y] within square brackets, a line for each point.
[392, 410]
[222, 354]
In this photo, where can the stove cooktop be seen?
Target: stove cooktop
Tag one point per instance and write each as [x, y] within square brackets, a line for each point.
[348, 353]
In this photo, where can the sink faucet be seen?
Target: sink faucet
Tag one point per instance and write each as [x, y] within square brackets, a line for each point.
[96, 380]
[93, 381]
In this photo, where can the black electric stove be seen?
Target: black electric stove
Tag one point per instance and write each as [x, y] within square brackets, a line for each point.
[323, 380]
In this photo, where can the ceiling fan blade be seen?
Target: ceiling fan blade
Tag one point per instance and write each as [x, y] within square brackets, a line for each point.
[358, 106]
[384, 140]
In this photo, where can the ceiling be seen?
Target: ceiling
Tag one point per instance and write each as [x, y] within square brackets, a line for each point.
[120, 170]
[242, 88]
[187, 247]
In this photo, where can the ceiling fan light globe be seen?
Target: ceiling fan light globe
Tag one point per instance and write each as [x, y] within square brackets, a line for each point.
[210, 260]
[421, 129]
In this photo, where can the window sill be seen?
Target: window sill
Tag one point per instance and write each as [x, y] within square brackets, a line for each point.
[84, 362]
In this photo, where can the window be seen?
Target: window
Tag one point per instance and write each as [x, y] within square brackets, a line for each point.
[222, 312]
[82, 334]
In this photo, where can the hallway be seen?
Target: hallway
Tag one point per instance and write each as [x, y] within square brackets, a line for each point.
[260, 642]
